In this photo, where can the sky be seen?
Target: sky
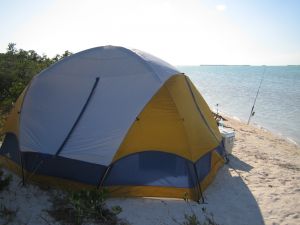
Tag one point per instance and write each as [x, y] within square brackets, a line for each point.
[182, 32]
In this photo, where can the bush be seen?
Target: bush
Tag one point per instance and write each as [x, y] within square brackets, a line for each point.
[89, 204]
[192, 219]
[84, 206]
[17, 68]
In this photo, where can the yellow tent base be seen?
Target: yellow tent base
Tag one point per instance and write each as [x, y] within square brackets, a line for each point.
[120, 191]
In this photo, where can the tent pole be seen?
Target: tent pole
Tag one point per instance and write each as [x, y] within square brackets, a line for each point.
[78, 118]
[22, 166]
[19, 113]
[100, 185]
[200, 194]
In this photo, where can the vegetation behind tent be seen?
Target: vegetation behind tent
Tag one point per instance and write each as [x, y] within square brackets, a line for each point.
[17, 67]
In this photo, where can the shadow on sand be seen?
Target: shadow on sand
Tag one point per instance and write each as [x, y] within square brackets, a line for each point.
[237, 164]
[230, 199]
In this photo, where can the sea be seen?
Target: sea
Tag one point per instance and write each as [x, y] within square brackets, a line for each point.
[232, 91]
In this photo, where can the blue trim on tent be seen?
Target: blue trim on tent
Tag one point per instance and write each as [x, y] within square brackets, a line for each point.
[153, 168]
[57, 166]
[49, 165]
[10, 147]
[203, 166]
[221, 150]
[148, 168]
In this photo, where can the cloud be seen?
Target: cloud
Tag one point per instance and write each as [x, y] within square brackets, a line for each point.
[221, 8]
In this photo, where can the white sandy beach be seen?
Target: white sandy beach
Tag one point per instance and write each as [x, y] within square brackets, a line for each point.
[260, 185]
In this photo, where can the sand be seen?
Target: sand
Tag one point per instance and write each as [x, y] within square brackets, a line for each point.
[260, 185]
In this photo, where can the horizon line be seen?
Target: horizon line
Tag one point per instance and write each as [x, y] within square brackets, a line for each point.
[239, 65]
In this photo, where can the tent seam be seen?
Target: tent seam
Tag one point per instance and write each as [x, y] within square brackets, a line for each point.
[143, 61]
[200, 112]
[180, 116]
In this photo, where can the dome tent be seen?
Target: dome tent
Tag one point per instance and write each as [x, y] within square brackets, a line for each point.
[116, 118]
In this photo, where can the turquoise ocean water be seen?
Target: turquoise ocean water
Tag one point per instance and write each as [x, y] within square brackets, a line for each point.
[234, 88]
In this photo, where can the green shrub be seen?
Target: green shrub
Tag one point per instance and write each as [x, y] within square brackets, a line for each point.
[89, 204]
[17, 68]
[192, 219]
[84, 206]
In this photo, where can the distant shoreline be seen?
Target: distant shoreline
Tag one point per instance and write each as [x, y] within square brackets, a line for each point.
[296, 65]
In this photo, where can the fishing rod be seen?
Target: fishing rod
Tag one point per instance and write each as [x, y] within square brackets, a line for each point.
[252, 110]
